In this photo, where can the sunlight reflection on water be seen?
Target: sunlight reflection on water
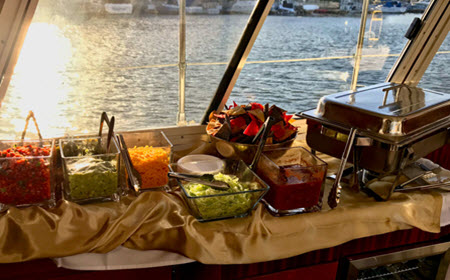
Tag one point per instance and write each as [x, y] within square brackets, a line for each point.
[39, 80]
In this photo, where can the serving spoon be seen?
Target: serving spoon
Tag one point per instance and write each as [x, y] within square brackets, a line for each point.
[204, 179]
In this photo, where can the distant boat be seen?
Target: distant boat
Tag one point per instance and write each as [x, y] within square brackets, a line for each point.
[310, 7]
[243, 7]
[119, 8]
[390, 7]
[418, 7]
[284, 8]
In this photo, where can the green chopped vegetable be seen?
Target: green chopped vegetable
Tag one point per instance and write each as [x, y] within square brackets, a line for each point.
[232, 204]
[92, 178]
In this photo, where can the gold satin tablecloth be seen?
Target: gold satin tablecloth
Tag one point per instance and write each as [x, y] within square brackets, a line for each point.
[159, 220]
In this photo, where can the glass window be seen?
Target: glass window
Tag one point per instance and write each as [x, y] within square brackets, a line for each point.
[83, 57]
[210, 42]
[314, 56]
[437, 76]
[87, 56]
[314, 59]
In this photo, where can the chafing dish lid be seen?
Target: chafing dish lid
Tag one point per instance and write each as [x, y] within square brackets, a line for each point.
[389, 110]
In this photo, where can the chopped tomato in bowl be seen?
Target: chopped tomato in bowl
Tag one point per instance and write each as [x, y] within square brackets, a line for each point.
[25, 173]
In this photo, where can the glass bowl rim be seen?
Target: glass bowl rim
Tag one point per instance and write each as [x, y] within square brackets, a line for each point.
[322, 162]
[272, 146]
[265, 186]
[86, 138]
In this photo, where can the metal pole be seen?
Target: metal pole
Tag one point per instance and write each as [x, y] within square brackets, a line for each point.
[181, 118]
[360, 44]
[237, 61]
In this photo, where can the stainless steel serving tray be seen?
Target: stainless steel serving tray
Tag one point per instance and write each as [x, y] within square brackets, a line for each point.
[390, 113]
[373, 155]
[391, 121]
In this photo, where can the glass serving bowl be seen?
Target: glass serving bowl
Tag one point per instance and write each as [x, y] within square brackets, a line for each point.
[29, 178]
[296, 179]
[150, 154]
[207, 204]
[245, 152]
[91, 174]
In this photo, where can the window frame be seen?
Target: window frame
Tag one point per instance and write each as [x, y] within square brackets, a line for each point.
[15, 19]
[420, 51]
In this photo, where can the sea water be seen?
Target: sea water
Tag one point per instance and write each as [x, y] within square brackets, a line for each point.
[72, 70]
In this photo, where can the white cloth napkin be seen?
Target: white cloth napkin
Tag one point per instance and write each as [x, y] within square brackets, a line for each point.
[121, 258]
[445, 212]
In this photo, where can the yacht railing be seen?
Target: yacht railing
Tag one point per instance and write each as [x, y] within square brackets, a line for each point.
[264, 61]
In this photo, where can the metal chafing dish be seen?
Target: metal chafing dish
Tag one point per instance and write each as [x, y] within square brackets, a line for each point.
[380, 128]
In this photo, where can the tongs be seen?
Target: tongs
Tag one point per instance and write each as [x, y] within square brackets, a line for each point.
[134, 177]
[110, 123]
[205, 179]
[424, 187]
[31, 115]
[427, 172]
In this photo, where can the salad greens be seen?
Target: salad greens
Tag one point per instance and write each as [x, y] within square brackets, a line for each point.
[232, 203]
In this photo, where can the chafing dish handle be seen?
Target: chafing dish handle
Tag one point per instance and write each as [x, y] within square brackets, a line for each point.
[335, 192]
[386, 92]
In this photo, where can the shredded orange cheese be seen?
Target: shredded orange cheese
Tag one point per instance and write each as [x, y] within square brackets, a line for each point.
[152, 164]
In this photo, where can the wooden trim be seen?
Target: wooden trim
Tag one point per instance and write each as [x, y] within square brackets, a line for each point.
[442, 29]
[418, 53]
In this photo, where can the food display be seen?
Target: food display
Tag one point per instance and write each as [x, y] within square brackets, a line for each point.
[295, 177]
[25, 173]
[241, 123]
[149, 155]
[152, 163]
[222, 206]
[233, 131]
[92, 178]
[244, 192]
[90, 174]
[296, 188]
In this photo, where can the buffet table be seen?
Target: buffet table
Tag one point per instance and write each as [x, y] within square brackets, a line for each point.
[161, 221]
[125, 258]
[156, 229]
